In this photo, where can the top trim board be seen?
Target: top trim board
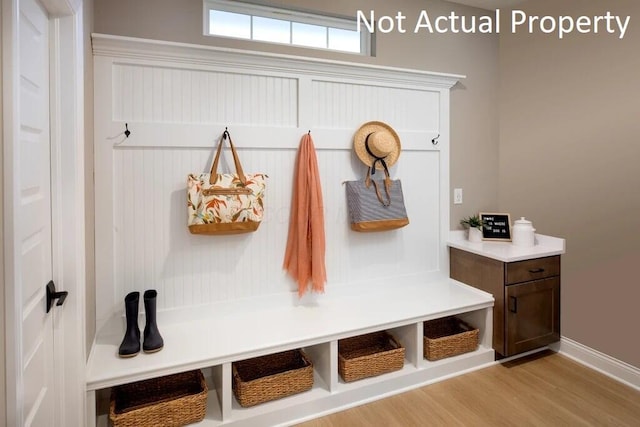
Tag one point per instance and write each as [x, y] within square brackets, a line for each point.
[138, 48]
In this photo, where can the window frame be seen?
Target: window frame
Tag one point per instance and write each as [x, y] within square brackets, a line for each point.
[290, 15]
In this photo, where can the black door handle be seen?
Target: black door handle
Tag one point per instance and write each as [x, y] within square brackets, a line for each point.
[513, 304]
[53, 295]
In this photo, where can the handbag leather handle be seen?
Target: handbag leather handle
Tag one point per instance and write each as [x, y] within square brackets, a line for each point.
[387, 186]
[214, 167]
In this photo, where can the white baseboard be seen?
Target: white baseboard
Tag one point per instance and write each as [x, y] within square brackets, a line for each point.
[607, 365]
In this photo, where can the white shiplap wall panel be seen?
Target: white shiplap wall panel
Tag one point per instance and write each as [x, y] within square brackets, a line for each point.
[156, 94]
[154, 248]
[338, 105]
[177, 103]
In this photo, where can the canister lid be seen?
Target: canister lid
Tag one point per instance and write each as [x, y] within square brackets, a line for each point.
[523, 221]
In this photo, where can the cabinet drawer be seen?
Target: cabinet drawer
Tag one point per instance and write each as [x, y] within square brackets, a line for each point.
[532, 269]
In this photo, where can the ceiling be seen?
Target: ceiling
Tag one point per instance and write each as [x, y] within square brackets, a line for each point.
[489, 4]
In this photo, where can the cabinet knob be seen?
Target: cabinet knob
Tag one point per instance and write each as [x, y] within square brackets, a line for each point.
[513, 304]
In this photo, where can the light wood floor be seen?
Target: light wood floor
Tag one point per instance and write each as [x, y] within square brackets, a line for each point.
[545, 389]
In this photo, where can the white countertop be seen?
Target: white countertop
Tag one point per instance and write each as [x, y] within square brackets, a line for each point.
[506, 251]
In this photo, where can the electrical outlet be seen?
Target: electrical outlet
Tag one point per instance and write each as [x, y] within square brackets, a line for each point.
[457, 196]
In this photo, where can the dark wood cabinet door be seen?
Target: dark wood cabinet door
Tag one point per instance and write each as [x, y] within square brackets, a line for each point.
[532, 314]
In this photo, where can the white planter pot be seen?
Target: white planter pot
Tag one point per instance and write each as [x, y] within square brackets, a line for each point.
[475, 235]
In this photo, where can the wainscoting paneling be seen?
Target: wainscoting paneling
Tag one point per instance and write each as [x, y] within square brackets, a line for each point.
[339, 105]
[177, 101]
[156, 94]
[154, 249]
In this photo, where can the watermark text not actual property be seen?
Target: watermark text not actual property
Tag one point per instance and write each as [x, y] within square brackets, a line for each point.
[520, 21]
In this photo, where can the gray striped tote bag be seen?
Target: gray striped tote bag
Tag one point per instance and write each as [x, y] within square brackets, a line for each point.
[376, 204]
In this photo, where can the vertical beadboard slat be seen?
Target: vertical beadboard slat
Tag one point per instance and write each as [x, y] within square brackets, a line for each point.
[118, 231]
[148, 94]
[126, 92]
[166, 104]
[127, 248]
[149, 198]
[116, 95]
[137, 94]
[156, 88]
[196, 99]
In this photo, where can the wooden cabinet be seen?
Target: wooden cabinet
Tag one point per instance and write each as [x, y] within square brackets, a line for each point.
[526, 312]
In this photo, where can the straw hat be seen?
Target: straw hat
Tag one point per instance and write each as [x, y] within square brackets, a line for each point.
[383, 143]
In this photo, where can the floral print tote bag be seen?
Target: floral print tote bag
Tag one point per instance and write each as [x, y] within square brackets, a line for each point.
[226, 203]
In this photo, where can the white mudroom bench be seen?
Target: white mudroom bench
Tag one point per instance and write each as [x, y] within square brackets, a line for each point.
[211, 337]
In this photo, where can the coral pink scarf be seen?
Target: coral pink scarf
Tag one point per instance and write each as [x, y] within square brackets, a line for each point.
[304, 256]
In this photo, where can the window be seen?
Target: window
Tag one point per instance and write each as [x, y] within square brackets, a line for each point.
[269, 24]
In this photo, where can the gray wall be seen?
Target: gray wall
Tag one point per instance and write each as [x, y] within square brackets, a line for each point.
[569, 152]
[474, 118]
[3, 383]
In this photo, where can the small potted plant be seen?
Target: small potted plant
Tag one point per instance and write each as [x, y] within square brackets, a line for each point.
[474, 224]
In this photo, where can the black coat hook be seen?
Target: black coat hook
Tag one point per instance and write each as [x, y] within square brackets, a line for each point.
[434, 141]
[127, 132]
[225, 134]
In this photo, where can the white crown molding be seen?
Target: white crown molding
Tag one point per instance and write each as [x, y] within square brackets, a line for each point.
[146, 49]
[603, 363]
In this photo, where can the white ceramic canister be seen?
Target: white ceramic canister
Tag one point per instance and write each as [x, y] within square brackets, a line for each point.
[523, 233]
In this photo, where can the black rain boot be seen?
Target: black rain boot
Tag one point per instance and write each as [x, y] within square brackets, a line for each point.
[131, 342]
[152, 339]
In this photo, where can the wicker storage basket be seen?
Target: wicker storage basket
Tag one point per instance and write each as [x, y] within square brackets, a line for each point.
[369, 355]
[271, 377]
[448, 336]
[170, 401]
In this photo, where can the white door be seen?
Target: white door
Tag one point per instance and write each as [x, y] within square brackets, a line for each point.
[31, 367]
